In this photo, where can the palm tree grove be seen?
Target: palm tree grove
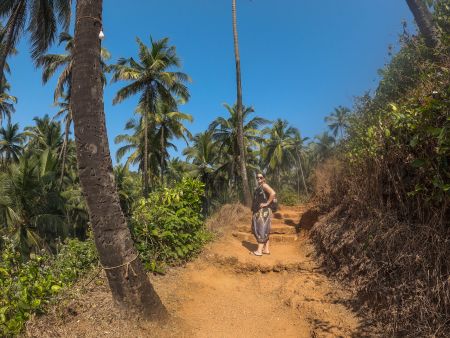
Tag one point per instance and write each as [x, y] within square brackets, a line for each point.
[224, 169]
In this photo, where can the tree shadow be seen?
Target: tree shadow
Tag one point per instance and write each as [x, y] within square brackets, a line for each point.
[367, 327]
[324, 327]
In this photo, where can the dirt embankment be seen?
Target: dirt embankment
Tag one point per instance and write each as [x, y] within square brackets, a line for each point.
[226, 292]
[399, 271]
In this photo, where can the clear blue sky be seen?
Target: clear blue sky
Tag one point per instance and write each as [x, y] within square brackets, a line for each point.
[299, 58]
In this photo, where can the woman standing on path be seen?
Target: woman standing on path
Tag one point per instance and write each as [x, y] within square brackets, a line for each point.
[262, 215]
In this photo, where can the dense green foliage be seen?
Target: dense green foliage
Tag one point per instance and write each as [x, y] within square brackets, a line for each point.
[392, 153]
[168, 227]
[404, 132]
[26, 286]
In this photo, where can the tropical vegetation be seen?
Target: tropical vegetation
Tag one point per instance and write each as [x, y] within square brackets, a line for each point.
[385, 158]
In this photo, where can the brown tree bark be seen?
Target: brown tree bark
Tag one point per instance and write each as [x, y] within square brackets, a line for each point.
[64, 149]
[146, 153]
[301, 170]
[424, 21]
[129, 284]
[240, 130]
[162, 154]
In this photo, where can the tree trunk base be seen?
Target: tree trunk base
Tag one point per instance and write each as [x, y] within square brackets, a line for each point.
[133, 294]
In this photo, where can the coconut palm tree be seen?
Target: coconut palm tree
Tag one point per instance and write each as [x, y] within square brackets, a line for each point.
[128, 187]
[300, 153]
[130, 287]
[169, 124]
[224, 132]
[51, 63]
[65, 112]
[176, 169]
[11, 141]
[203, 155]
[39, 17]
[152, 79]
[7, 102]
[134, 147]
[31, 209]
[338, 120]
[46, 134]
[279, 152]
[323, 145]
[240, 113]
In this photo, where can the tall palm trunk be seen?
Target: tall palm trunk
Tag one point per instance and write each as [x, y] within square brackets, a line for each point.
[240, 129]
[129, 284]
[145, 153]
[424, 21]
[162, 155]
[301, 170]
[10, 36]
[64, 148]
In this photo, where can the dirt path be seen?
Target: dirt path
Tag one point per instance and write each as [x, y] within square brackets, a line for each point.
[226, 292]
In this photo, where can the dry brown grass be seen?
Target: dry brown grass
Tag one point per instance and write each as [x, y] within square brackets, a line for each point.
[400, 268]
[327, 181]
[227, 217]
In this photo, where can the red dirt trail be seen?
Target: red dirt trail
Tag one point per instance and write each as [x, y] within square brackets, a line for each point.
[225, 292]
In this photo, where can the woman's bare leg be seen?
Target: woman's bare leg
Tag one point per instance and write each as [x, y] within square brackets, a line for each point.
[265, 248]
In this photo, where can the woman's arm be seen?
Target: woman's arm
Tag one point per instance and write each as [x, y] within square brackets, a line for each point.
[268, 190]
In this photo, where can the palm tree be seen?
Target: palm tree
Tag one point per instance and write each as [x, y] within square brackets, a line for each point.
[50, 63]
[129, 284]
[30, 207]
[176, 169]
[10, 143]
[170, 124]
[239, 108]
[42, 16]
[134, 146]
[204, 155]
[323, 145]
[7, 101]
[46, 134]
[152, 79]
[127, 186]
[338, 120]
[279, 151]
[66, 112]
[224, 132]
[300, 153]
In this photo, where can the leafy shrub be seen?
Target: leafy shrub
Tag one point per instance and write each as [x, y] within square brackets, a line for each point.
[168, 226]
[74, 259]
[287, 197]
[27, 286]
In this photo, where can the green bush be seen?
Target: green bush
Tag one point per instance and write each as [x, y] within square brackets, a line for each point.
[27, 286]
[168, 226]
[287, 197]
